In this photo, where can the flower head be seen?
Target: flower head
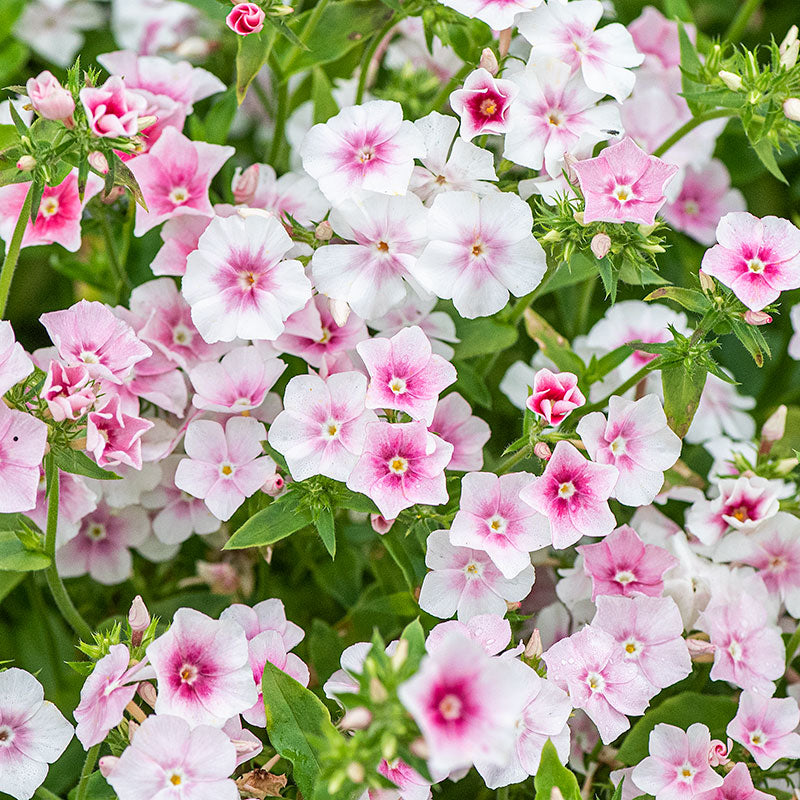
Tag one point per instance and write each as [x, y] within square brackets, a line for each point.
[767, 727]
[111, 109]
[483, 103]
[22, 443]
[555, 395]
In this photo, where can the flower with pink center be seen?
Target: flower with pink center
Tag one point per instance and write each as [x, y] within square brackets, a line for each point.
[573, 494]
[555, 114]
[743, 504]
[589, 667]
[649, 634]
[224, 465]
[174, 176]
[50, 100]
[493, 518]
[238, 283]
[555, 395]
[483, 103]
[497, 14]
[58, 220]
[466, 582]
[371, 274]
[544, 716]
[15, 363]
[622, 564]
[736, 785]
[23, 439]
[365, 147]
[111, 109]
[68, 391]
[115, 437]
[677, 767]
[405, 374]
[491, 631]
[323, 426]
[457, 695]
[401, 464]
[480, 249]
[454, 421]
[409, 782]
[767, 727]
[268, 615]
[637, 441]
[33, 734]
[203, 669]
[623, 184]
[705, 197]
[180, 236]
[245, 18]
[167, 758]
[756, 258]
[566, 32]
[294, 194]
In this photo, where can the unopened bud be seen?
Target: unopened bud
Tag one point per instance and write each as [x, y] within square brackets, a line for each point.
[789, 58]
[578, 216]
[98, 162]
[542, 450]
[193, 47]
[718, 753]
[133, 726]
[356, 719]
[751, 65]
[245, 184]
[355, 772]
[700, 650]
[552, 236]
[340, 311]
[504, 41]
[534, 647]
[145, 122]
[757, 317]
[280, 11]
[138, 619]
[788, 40]
[380, 524]
[221, 577]
[791, 108]
[274, 485]
[323, 232]
[785, 466]
[730, 79]
[107, 764]
[489, 61]
[377, 691]
[706, 281]
[513, 605]
[569, 167]
[600, 244]
[254, 212]
[148, 693]
[555, 794]
[26, 163]
[775, 426]
[400, 654]
[419, 748]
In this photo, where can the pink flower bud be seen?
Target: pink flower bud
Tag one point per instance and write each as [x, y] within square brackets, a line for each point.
[340, 311]
[138, 619]
[26, 163]
[542, 450]
[148, 693]
[757, 317]
[67, 391]
[323, 231]
[791, 108]
[245, 184]
[569, 167]
[380, 524]
[106, 765]
[775, 426]
[706, 281]
[245, 18]
[112, 110]
[49, 98]
[356, 719]
[700, 650]
[555, 395]
[274, 485]
[98, 161]
[489, 61]
[601, 244]
[534, 647]
[221, 577]
[718, 753]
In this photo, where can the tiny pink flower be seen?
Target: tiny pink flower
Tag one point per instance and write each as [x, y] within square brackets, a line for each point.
[767, 727]
[402, 464]
[245, 18]
[22, 443]
[573, 494]
[718, 753]
[115, 437]
[224, 465]
[454, 421]
[677, 767]
[68, 391]
[756, 258]
[111, 109]
[49, 98]
[15, 363]
[491, 631]
[555, 395]
[483, 103]
[736, 785]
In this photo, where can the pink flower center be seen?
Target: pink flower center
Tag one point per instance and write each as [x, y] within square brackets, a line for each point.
[478, 248]
[326, 336]
[742, 513]
[182, 335]
[365, 154]
[595, 681]
[226, 469]
[618, 446]
[777, 564]
[555, 118]
[624, 577]
[330, 429]
[6, 736]
[472, 570]
[623, 194]
[382, 247]
[488, 107]
[686, 773]
[632, 647]
[450, 707]
[398, 465]
[758, 739]
[691, 208]
[175, 779]
[497, 524]
[735, 650]
[97, 532]
[566, 490]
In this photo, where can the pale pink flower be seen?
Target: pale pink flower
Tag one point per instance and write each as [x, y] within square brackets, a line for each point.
[174, 176]
[719, 753]
[238, 283]
[203, 669]
[555, 395]
[372, 274]
[365, 147]
[491, 631]
[111, 109]
[33, 734]
[573, 494]
[657, 37]
[566, 31]
[623, 184]
[493, 518]
[457, 695]
[293, 193]
[115, 437]
[75, 501]
[245, 18]
[622, 564]
[48, 97]
[15, 363]
[736, 785]
[408, 781]
[166, 754]
[722, 411]
[23, 439]
[180, 236]
[480, 249]
[454, 421]
[268, 615]
[637, 441]
[766, 727]
[224, 465]
[497, 14]
[756, 258]
[588, 666]
[483, 103]
[68, 391]
[467, 582]
[323, 427]
[677, 767]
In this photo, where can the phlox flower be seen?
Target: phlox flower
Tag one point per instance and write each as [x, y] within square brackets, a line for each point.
[167, 758]
[756, 258]
[238, 283]
[15, 364]
[566, 31]
[491, 631]
[767, 727]
[637, 441]
[555, 395]
[224, 465]
[114, 436]
[554, 114]
[497, 14]
[111, 109]
[366, 147]
[23, 439]
[68, 391]
[454, 421]
[622, 564]
[657, 37]
[493, 518]
[75, 501]
[736, 785]
[480, 249]
[203, 669]
[174, 176]
[401, 464]
[677, 767]
[457, 695]
[33, 734]
[573, 494]
[466, 581]
[722, 411]
[372, 273]
[483, 103]
[268, 615]
[589, 667]
[322, 429]
[623, 184]
[407, 780]
[180, 236]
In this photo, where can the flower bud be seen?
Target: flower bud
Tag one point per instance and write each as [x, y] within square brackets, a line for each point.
[26, 163]
[400, 654]
[731, 80]
[791, 108]
[356, 719]
[718, 753]
[145, 122]
[700, 650]
[552, 236]
[578, 216]
[489, 61]
[757, 317]
[542, 450]
[245, 184]
[221, 577]
[377, 691]
[751, 67]
[569, 167]
[244, 213]
[419, 748]
[380, 524]
[534, 647]
[274, 485]
[138, 619]
[280, 11]
[706, 281]
[355, 772]
[340, 311]
[148, 693]
[775, 426]
[600, 244]
[133, 726]
[789, 58]
[245, 18]
[106, 765]
[193, 47]
[788, 40]
[49, 98]
[98, 161]
[504, 41]
[323, 232]
[555, 794]
[785, 466]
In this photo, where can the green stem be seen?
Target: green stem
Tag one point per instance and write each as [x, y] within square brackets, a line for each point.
[12, 253]
[792, 645]
[45, 794]
[123, 282]
[54, 582]
[514, 459]
[584, 305]
[88, 768]
[502, 793]
[689, 126]
[313, 20]
[739, 23]
[369, 54]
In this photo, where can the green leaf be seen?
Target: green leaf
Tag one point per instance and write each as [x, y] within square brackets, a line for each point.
[9, 12]
[483, 335]
[766, 154]
[125, 178]
[579, 268]
[682, 710]
[472, 385]
[220, 116]
[251, 54]
[753, 340]
[552, 344]
[297, 723]
[683, 383]
[600, 367]
[97, 789]
[553, 774]
[9, 581]
[690, 65]
[355, 501]
[322, 96]
[326, 528]
[688, 298]
[8, 136]
[281, 518]
[78, 463]
[678, 9]
[325, 647]
[15, 557]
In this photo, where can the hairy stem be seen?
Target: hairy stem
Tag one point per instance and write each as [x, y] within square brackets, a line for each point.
[46, 794]
[12, 253]
[88, 768]
[123, 286]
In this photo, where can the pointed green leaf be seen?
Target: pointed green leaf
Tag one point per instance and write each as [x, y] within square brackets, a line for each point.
[326, 528]
[281, 518]
[683, 383]
[78, 463]
[553, 774]
[15, 557]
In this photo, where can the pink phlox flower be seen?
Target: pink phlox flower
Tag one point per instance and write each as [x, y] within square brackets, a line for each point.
[23, 439]
[657, 37]
[483, 103]
[767, 727]
[736, 785]
[555, 395]
[491, 631]
[114, 436]
[112, 110]
[438, 326]
[497, 14]
[247, 744]
[268, 615]
[180, 236]
[410, 784]
[454, 421]
[75, 501]
[68, 391]
[15, 363]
